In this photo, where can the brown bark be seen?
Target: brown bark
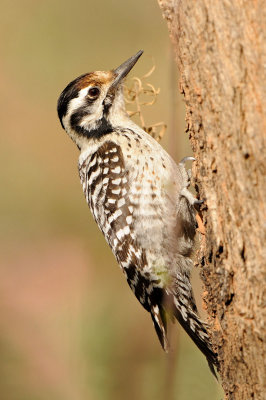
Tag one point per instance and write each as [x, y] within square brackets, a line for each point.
[221, 61]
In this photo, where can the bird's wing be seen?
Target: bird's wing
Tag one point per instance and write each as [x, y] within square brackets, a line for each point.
[105, 181]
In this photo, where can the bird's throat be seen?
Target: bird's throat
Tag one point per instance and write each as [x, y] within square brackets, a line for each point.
[103, 128]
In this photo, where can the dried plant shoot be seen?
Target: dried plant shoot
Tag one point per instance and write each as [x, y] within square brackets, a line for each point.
[139, 94]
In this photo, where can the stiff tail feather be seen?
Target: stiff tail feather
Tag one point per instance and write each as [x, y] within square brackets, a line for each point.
[196, 329]
[160, 325]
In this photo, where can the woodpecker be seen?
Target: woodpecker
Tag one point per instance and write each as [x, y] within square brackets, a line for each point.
[139, 198]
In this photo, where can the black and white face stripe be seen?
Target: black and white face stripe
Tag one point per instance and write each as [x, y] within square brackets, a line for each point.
[70, 92]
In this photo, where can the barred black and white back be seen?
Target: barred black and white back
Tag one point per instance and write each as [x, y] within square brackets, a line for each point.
[139, 199]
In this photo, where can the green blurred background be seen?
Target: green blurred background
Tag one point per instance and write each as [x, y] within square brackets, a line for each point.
[70, 327]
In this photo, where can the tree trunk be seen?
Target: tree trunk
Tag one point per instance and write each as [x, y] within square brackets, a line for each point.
[221, 61]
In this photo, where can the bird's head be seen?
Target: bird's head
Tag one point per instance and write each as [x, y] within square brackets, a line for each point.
[92, 105]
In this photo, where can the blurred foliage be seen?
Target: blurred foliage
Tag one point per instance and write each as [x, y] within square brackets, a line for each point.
[70, 327]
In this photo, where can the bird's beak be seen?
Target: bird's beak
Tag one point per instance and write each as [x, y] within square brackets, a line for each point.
[122, 71]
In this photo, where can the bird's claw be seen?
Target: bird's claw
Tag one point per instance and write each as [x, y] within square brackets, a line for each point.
[185, 159]
[198, 202]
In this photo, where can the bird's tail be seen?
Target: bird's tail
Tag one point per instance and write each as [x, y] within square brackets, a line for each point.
[190, 321]
[197, 330]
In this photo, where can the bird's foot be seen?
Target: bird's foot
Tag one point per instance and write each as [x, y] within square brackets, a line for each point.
[186, 173]
[190, 198]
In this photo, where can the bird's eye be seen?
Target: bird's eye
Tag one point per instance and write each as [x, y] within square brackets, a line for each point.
[93, 92]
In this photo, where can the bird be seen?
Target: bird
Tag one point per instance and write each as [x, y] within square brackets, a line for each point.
[139, 198]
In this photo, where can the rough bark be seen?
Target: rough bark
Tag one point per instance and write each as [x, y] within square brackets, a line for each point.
[221, 57]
